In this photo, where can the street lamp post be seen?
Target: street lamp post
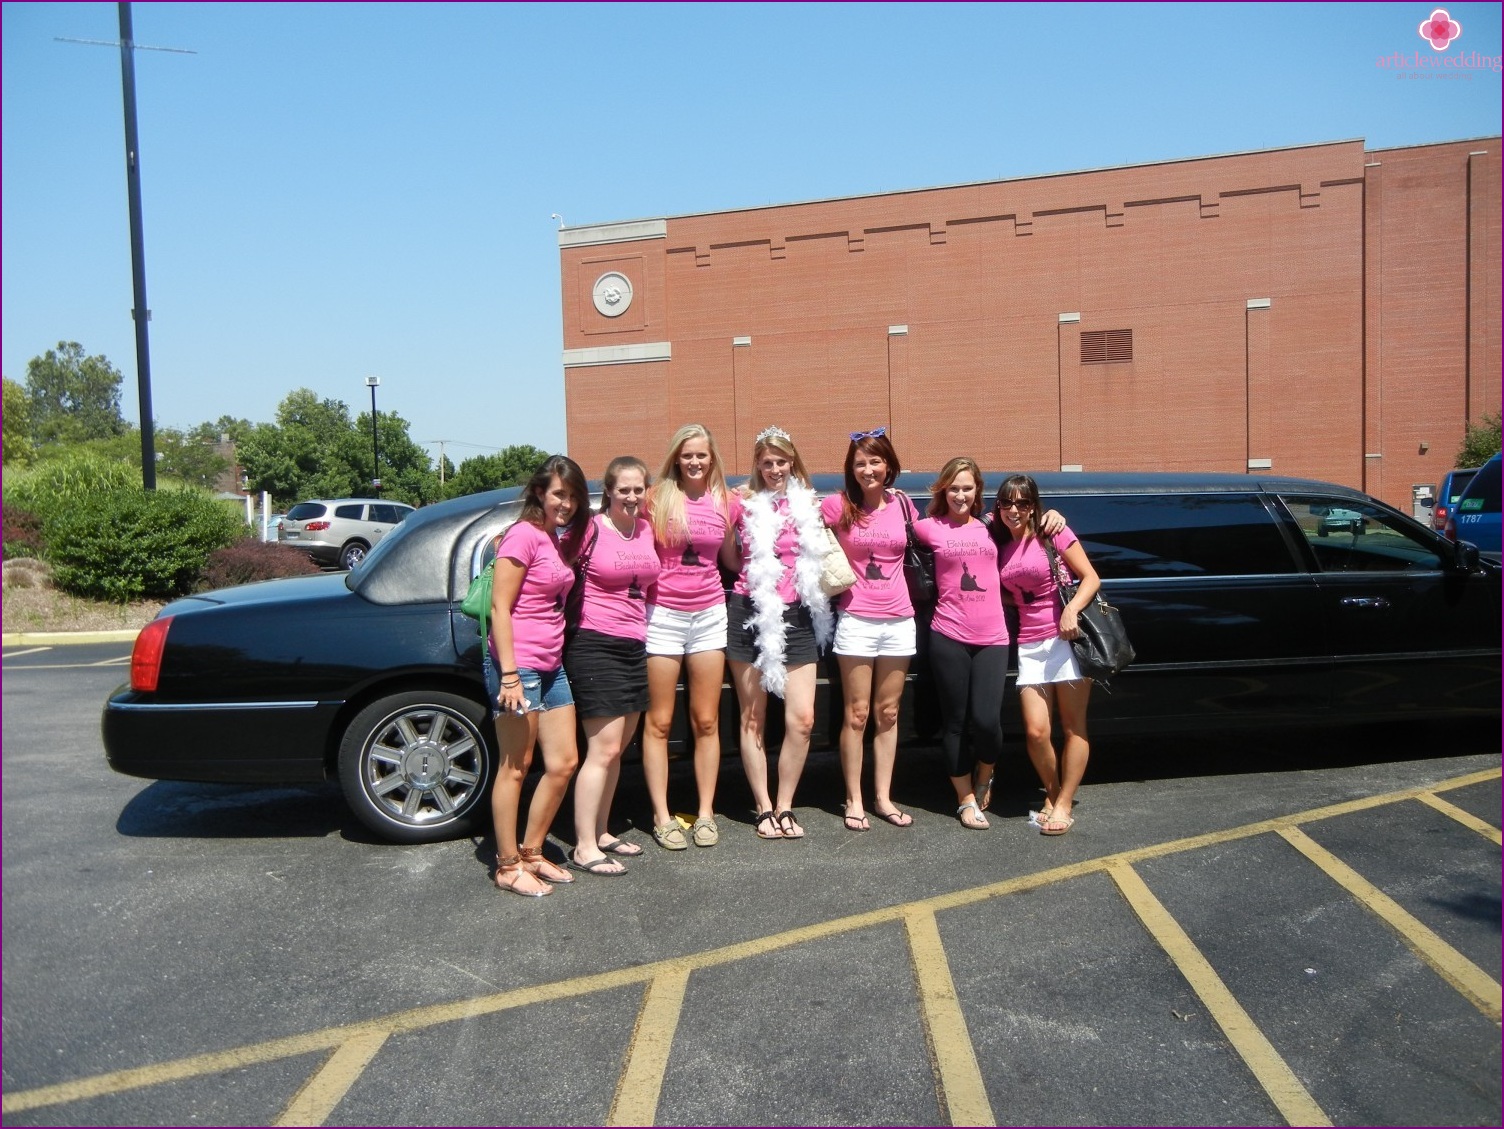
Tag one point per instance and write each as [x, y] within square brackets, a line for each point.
[374, 382]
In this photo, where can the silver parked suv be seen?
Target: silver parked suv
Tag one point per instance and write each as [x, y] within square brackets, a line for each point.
[340, 531]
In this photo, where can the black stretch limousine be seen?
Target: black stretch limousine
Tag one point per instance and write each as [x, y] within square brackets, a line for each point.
[1248, 601]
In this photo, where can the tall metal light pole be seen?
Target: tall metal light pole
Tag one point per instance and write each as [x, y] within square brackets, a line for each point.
[374, 382]
[140, 312]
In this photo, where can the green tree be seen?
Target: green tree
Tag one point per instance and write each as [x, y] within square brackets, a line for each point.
[191, 456]
[315, 450]
[18, 450]
[406, 472]
[307, 453]
[511, 466]
[73, 396]
[1480, 442]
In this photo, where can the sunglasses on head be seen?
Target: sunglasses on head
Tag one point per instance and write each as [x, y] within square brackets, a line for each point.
[875, 433]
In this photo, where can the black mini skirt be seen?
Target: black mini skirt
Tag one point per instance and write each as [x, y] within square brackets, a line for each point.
[741, 636]
[608, 674]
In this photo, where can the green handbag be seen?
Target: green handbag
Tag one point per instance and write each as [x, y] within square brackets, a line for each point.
[477, 601]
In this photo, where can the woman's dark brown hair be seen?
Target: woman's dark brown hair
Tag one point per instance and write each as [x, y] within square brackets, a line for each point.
[879, 446]
[1016, 488]
[568, 472]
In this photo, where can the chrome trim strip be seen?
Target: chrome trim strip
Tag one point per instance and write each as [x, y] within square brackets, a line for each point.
[168, 707]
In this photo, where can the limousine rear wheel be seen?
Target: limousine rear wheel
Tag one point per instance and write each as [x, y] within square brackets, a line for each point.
[415, 766]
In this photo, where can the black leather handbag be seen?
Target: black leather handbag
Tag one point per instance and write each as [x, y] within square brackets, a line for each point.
[574, 603]
[918, 561]
[1102, 648]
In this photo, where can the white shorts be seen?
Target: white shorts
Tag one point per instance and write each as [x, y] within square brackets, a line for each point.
[1051, 660]
[860, 637]
[676, 633]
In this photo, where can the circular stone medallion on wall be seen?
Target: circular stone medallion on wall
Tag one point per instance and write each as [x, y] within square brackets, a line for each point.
[612, 294]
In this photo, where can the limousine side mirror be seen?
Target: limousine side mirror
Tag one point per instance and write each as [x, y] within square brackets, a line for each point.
[1464, 556]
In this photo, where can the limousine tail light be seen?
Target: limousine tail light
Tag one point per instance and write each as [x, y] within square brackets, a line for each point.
[315, 526]
[146, 655]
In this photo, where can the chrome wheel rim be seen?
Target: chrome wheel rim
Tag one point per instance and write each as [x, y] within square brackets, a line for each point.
[423, 766]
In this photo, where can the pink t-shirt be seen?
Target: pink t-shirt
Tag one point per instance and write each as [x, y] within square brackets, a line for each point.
[690, 581]
[786, 547]
[875, 549]
[538, 613]
[968, 608]
[619, 580]
[1024, 571]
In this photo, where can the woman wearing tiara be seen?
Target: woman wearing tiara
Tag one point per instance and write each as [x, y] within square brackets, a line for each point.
[778, 619]
[688, 507]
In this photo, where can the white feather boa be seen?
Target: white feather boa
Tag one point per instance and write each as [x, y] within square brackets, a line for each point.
[762, 524]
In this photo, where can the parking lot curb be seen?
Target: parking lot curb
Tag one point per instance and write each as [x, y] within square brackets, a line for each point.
[57, 638]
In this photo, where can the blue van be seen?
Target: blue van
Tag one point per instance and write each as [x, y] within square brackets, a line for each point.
[1475, 517]
[1447, 494]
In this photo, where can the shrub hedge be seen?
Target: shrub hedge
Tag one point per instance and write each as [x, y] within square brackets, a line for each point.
[23, 534]
[57, 485]
[248, 561]
[129, 544]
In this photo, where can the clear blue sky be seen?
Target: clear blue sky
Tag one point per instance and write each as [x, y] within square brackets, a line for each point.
[343, 190]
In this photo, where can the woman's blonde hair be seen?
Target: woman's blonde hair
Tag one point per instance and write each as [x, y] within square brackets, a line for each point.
[938, 506]
[779, 440]
[666, 498]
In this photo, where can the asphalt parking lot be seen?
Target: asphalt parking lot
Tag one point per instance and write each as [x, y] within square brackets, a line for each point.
[1303, 929]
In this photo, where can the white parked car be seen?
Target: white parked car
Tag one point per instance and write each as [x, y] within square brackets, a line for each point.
[340, 531]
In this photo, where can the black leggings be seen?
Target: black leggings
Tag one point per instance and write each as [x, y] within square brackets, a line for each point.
[969, 682]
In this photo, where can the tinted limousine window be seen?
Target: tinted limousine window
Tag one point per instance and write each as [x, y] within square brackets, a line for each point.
[1131, 536]
[1350, 536]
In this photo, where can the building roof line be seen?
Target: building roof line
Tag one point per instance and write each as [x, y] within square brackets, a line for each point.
[1002, 180]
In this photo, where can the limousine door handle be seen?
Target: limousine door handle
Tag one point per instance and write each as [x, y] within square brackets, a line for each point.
[1364, 602]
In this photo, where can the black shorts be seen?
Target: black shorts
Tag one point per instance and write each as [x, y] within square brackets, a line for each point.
[608, 674]
[741, 642]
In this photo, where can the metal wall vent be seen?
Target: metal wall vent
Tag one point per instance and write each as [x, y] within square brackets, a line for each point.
[1106, 346]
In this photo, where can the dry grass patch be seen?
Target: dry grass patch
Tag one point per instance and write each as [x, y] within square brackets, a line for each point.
[32, 604]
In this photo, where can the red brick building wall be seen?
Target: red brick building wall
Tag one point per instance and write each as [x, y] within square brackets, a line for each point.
[1320, 311]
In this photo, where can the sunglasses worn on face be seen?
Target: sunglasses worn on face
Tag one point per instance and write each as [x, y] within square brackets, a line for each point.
[1015, 504]
[875, 433]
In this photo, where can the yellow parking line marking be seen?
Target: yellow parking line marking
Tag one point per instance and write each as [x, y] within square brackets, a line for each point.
[1466, 818]
[954, 1059]
[636, 1101]
[1294, 1102]
[326, 1089]
[1478, 986]
[290, 1046]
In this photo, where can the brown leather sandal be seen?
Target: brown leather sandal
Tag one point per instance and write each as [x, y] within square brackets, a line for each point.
[534, 862]
[509, 871]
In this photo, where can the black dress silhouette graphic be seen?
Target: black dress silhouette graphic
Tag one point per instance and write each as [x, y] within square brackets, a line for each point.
[690, 559]
[634, 592]
[873, 572]
[969, 582]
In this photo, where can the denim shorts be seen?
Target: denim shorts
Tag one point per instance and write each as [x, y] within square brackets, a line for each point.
[541, 689]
